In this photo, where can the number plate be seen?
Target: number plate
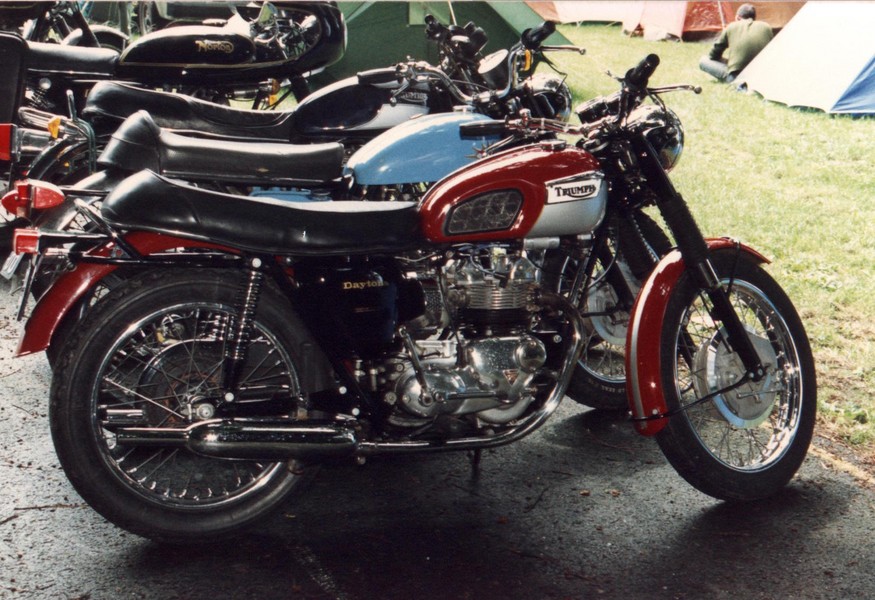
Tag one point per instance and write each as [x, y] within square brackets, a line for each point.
[11, 265]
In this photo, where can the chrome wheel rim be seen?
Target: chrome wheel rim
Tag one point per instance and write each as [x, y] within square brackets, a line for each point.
[752, 426]
[160, 369]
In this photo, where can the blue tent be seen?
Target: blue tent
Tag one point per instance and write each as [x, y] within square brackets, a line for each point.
[824, 58]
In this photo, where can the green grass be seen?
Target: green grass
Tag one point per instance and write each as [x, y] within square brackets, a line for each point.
[798, 185]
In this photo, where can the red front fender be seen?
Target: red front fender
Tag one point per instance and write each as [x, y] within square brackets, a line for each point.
[53, 308]
[643, 369]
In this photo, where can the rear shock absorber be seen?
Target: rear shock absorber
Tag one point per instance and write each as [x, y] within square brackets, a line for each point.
[241, 326]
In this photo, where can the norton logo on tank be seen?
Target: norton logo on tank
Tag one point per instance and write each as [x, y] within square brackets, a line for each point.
[579, 187]
[214, 46]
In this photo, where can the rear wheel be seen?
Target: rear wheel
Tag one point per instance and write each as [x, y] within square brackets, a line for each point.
[151, 355]
[748, 442]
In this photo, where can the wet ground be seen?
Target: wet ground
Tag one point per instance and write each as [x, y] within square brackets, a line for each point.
[584, 508]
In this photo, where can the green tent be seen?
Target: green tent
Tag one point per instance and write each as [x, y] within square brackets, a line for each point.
[382, 33]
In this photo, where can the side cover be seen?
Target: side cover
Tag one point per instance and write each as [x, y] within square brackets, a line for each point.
[643, 363]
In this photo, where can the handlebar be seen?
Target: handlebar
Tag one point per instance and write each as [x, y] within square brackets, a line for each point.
[466, 39]
[483, 129]
[412, 72]
[639, 75]
[596, 114]
[378, 76]
[532, 38]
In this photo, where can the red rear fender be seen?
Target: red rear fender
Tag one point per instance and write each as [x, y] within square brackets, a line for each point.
[57, 303]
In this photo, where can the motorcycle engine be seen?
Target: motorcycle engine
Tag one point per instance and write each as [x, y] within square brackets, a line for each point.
[488, 367]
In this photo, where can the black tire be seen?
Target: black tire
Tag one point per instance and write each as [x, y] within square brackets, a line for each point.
[148, 346]
[65, 165]
[599, 380]
[747, 443]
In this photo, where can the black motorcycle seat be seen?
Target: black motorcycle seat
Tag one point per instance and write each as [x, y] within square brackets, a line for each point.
[148, 202]
[81, 61]
[141, 144]
[114, 101]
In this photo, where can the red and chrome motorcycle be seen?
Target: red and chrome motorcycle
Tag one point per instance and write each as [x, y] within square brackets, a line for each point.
[252, 338]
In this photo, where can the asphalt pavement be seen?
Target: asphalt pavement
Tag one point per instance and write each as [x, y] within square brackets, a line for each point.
[583, 508]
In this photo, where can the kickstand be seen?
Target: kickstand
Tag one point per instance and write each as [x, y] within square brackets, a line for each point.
[474, 457]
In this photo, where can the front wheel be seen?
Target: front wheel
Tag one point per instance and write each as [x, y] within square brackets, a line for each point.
[151, 355]
[748, 442]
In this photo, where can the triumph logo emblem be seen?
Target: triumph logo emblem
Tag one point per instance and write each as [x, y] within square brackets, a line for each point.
[576, 191]
[214, 46]
[579, 187]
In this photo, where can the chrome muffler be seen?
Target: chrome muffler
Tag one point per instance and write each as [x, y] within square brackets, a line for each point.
[250, 439]
[253, 439]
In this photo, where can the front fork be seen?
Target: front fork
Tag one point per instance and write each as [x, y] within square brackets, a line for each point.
[694, 250]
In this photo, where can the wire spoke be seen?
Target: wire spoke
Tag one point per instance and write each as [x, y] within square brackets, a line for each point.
[163, 366]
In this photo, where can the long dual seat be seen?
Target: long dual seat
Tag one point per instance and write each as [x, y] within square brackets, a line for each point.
[141, 144]
[148, 202]
[111, 102]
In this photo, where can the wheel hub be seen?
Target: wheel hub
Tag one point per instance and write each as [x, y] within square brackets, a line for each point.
[609, 327]
[717, 367]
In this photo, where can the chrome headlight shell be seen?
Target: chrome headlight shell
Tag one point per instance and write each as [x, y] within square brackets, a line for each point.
[663, 129]
[551, 91]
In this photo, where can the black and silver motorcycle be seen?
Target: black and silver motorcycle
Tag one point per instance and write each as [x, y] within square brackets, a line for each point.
[259, 43]
[46, 85]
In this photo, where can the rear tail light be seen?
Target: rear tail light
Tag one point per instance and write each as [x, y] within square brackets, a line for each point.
[31, 240]
[31, 195]
[25, 241]
[7, 141]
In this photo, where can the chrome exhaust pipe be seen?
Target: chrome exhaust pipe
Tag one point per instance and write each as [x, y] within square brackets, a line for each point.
[250, 440]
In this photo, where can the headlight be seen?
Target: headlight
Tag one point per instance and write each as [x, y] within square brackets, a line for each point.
[552, 95]
[663, 129]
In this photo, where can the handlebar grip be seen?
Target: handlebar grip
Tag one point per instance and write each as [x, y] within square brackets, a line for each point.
[532, 38]
[482, 128]
[378, 76]
[639, 75]
[434, 30]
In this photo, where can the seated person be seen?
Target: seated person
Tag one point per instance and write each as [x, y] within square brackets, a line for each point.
[744, 38]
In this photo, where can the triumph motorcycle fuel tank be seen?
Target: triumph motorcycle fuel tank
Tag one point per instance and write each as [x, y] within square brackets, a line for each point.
[520, 193]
